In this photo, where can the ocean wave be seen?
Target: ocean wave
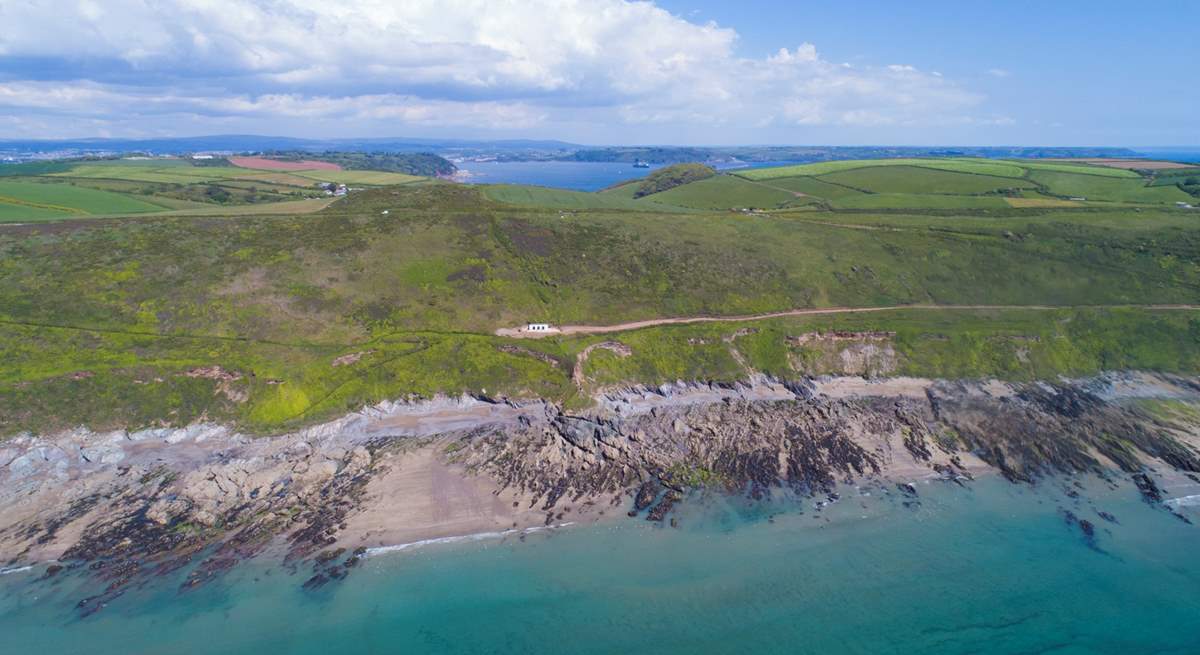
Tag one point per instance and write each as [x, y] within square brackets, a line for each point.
[478, 536]
[15, 569]
[1183, 501]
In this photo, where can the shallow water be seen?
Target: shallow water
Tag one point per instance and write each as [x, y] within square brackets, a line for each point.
[989, 569]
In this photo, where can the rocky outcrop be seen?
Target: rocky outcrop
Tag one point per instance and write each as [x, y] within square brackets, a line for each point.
[126, 506]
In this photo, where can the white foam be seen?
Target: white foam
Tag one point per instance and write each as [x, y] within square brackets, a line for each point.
[478, 536]
[16, 569]
[1183, 501]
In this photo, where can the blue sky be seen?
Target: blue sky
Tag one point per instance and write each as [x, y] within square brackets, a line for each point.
[1068, 71]
[607, 71]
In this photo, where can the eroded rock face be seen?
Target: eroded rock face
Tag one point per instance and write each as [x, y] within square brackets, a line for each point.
[131, 505]
[812, 441]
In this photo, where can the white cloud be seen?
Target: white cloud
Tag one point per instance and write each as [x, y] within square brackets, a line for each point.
[491, 64]
[998, 72]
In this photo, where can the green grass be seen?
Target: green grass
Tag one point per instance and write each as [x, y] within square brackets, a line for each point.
[99, 320]
[33, 168]
[10, 213]
[813, 187]
[624, 190]
[364, 178]
[670, 177]
[1080, 168]
[723, 192]
[1011, 345]
[72, 199]
[977, 166]
[548, 198]
[145, 172]
[919, 180]
[919, 201]
[1095, 187]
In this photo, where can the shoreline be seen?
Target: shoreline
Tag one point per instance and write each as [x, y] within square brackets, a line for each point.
[398, 476]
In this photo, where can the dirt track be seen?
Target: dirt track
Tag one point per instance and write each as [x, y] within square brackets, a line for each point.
[636, 325]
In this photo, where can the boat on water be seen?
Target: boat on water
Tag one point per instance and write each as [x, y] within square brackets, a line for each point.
[641, 164]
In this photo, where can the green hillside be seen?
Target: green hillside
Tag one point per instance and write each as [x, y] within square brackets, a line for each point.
[671, 177]
[917, 179]
[410, 282]
[725, 192]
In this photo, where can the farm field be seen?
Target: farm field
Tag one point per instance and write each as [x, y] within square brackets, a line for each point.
[1133, 164]
[56, 190]
[264, 164]
[1095, 187]
[812, 186]
[977, 166]
[71, 199]
[623, 190]
[724, 192]
[1032, 201]
[12, 213]
[1079, 169]
[366, 178]
[919, 201]
[920, 180]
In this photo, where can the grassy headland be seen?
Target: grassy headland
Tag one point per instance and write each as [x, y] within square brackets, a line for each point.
[279, 320]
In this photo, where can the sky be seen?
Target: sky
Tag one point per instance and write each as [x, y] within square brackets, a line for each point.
[702, 72]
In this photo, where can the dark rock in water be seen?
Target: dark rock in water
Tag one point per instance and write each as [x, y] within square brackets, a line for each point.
[52, 570]
[324, 557]
[907, 488]
[1149, 490]
[1085, 527]
[316, 582]
[1106, 516]
[645, 495]
[664, 506]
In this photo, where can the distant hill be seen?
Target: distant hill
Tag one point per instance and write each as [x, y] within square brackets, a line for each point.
[751, 154]
[259, 143]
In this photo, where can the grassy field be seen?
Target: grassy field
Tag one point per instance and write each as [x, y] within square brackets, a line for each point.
[919, 201]
[62, 190]
[12, 213]
[724, 192]
[1095, 187]
[101, 321]
[812, 186]
[919, 180]
[70, 199]
[363, 178]
[976, 166]
[1080, 169]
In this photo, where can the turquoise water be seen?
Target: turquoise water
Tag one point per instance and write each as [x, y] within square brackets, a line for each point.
[991, 569]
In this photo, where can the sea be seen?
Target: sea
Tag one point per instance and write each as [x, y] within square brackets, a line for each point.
[574, 175]
[990, 567]
[594, 176]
